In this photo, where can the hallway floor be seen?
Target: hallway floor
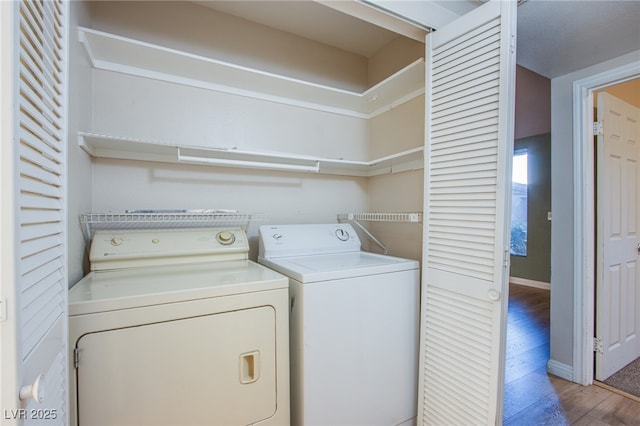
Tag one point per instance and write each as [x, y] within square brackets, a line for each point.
[533, 397]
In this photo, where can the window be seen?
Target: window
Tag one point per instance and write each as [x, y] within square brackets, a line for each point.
[519, 204]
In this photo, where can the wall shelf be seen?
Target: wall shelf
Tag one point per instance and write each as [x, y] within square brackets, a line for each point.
[382, 217]
[125, 55]
[158, 219]
[356, 218]
[107, 146]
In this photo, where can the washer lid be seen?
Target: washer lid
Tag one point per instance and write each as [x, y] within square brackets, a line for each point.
[101, 291]
[308, 269]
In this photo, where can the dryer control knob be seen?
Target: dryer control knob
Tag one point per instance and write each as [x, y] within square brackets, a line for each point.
[225, 238]
[116, 241]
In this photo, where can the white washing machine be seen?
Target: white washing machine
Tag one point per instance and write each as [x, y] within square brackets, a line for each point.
[353, 326]
[178, 327]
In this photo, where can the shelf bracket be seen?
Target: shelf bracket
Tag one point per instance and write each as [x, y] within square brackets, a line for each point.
[374, 239]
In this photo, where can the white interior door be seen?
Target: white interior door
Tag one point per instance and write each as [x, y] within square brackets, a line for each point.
[33, 281]
[618, 253]
[469, 144]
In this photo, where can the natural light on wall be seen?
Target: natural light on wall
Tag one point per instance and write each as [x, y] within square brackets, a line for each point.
[519, 203]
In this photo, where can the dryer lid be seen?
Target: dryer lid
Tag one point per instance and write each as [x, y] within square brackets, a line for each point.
[131, 288]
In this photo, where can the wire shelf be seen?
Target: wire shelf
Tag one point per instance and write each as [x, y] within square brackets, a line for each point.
[382, 217]
[92, 222]
[379, 217]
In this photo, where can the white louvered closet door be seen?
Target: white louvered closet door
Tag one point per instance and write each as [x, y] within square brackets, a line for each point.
[34, 284]
[469, 144]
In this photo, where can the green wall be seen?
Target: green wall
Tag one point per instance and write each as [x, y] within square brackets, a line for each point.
[537, 264]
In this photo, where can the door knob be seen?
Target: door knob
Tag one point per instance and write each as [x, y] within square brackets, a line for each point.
[35, 390]
[493, 295]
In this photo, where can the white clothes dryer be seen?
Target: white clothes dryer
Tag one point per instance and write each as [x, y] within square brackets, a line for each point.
[178, 327]
[353, 326]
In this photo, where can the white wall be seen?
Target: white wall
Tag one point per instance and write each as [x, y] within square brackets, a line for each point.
[79, 165]
[125, 105]
[203, 31]
[397, 130]
[135, 107]
[629, 91]
[562, 249]
[533, 104]
[399, 53]
[283, 197]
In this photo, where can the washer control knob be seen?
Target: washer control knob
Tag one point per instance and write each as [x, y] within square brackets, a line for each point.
[116, 241]
[225, 238]
[342, 234]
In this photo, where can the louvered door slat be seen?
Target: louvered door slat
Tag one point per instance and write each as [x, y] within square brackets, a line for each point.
[484, 88]
[469, 71]
[33, 276]
[33, 171]
[35, 201]
[40, 188]
[42, 290]
[473, 157]
[467, 50]
[32, 247]
[453, 122]
[40, 216]
[45, 177]
[36, 260]
[30, 139]
[31, 125]
[34, 40]
[461, 110]
[466, 152]
[52, 310]
[50, 113]
[51, 133]
[41, 67]
[41, 230]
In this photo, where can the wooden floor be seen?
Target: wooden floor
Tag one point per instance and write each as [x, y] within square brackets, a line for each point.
[533, 397]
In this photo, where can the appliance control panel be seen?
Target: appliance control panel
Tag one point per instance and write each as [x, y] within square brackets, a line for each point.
[302, 240]
[115, 249]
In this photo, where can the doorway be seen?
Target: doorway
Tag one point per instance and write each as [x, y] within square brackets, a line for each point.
[584, 211]
[617, 292]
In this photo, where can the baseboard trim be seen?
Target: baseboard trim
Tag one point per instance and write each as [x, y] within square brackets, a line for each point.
[530, 283]
[561, 370]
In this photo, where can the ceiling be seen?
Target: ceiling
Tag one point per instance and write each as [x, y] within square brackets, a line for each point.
[310, 19]
[559, 37]
[555, 37]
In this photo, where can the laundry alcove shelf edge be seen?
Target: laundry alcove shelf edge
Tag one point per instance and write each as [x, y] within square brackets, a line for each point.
[115, 53]
[108, 146]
